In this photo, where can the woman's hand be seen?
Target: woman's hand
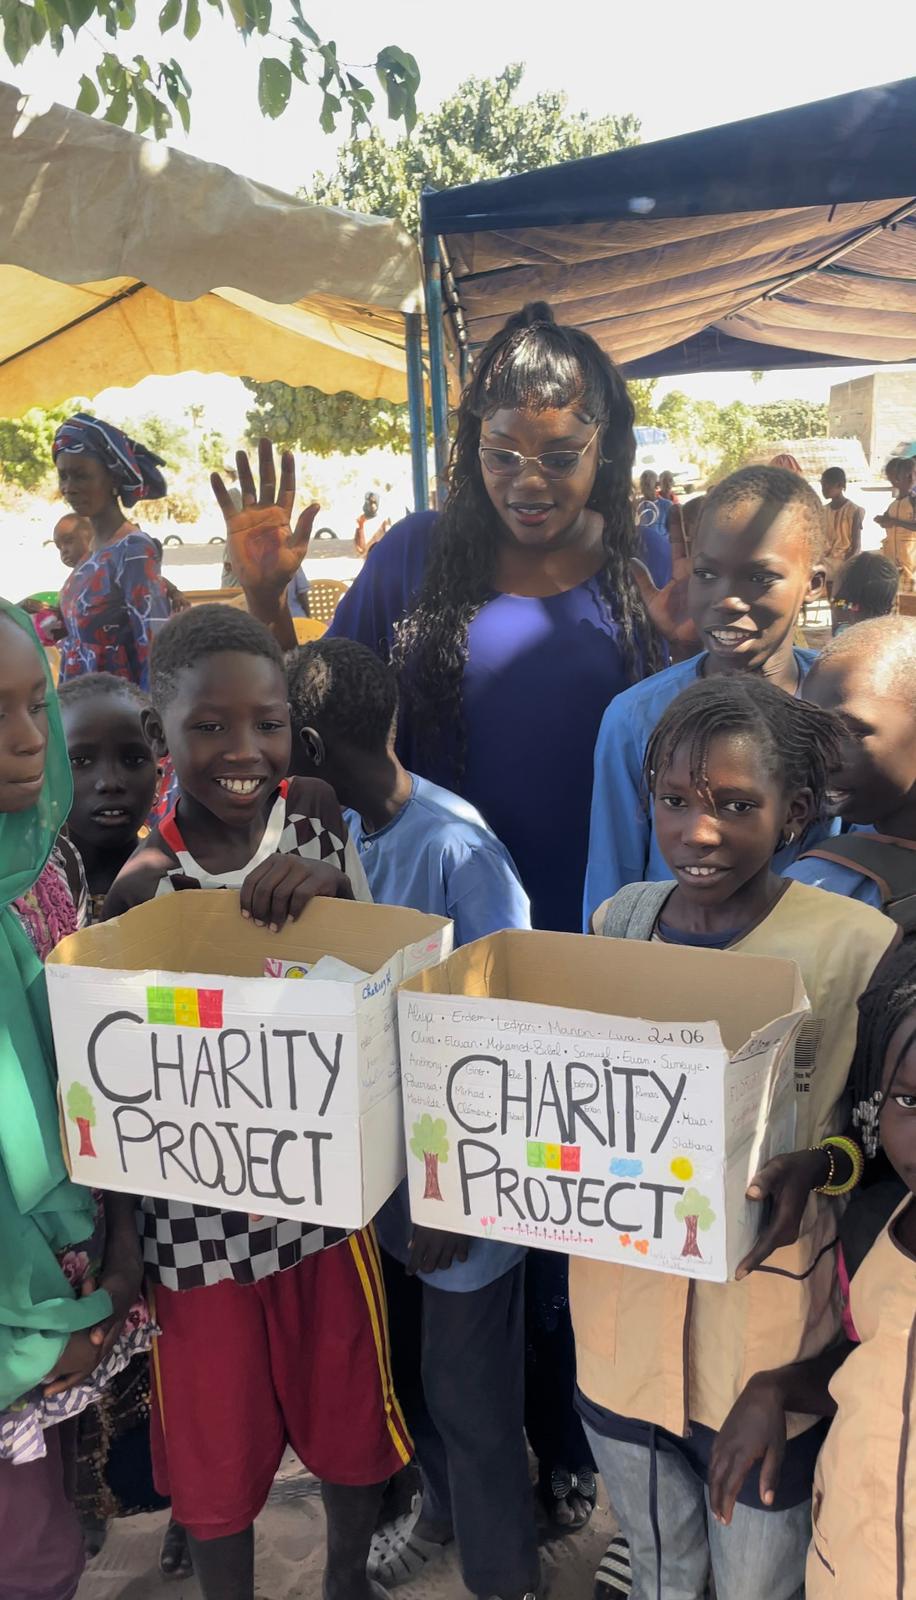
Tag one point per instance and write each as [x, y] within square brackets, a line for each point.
[282, 886]
[667, 607]
[263, 550]
[432, 1250]
[787, 1181]
[754, 1430]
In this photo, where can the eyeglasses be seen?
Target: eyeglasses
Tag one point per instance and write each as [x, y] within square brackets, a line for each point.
[553, 463]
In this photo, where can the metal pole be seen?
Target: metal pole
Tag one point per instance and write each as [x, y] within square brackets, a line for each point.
[416, 402]
[438, 382]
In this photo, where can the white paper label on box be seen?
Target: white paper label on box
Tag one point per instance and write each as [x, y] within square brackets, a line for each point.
[592, 1135]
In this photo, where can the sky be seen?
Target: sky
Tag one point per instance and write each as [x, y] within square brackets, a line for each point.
[678, 67]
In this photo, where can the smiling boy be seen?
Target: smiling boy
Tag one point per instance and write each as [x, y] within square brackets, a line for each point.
[756, 560]
[271, 1329]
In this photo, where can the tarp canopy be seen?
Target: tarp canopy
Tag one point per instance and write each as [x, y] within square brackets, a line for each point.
[124, 258]
[783, 240]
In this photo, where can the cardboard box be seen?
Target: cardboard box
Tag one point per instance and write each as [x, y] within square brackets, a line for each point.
[601, 1097]
[186, 1073]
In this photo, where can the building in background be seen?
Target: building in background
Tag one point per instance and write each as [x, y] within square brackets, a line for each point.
[880, 411]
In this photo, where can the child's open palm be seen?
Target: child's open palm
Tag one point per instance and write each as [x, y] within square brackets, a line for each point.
[667, 607]
[264, 550]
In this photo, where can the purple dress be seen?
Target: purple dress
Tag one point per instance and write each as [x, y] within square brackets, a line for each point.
[539, 675]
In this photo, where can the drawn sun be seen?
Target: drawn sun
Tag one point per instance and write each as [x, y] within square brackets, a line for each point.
[682, 1168]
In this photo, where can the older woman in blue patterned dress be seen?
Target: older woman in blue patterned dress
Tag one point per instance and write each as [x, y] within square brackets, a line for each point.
[112, 601]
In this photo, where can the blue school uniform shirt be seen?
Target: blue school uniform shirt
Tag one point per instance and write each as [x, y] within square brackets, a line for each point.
[622, 847]
[437, 855]
[538, 676]
[837, 878]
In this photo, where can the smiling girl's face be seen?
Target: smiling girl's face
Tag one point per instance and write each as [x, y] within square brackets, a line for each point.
[23, 719]
[719, 835]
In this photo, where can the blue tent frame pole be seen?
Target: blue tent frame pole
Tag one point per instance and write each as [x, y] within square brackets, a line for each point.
[416, 405]
[438, 381]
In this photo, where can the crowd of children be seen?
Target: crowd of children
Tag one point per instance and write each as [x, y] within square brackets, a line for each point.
[750, 797]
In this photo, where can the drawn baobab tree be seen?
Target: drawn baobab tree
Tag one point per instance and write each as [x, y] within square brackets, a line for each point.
[695, 1211]
[81, 1110]
[430, 1145]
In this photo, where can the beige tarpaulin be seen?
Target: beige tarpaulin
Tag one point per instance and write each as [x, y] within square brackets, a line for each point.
[124, 258]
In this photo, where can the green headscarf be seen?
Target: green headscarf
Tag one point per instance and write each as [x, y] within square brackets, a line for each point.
[41, 1211]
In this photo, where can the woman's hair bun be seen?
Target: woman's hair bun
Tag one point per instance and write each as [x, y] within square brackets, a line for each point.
[536, 313]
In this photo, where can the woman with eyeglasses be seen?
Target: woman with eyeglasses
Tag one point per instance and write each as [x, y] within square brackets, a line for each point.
[513, 619]
[512, 615]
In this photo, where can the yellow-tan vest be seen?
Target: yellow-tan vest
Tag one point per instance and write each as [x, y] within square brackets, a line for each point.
[668, 1350]
[864, 1508]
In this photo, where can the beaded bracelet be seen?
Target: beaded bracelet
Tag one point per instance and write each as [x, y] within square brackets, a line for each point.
[856, 1160]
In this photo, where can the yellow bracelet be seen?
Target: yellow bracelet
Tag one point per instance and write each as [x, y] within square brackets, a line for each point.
[851, 1150]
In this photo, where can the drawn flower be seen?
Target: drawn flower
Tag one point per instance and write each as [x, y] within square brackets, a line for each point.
[624, 1238]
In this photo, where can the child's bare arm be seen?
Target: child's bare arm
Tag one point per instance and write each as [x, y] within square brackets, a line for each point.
[755, 1428]
[137, 881]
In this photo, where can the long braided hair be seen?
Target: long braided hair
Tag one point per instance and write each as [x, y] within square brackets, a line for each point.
[532, 364]
[889, 999]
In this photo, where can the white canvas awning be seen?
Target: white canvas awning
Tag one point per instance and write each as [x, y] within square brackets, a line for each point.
[121, 257]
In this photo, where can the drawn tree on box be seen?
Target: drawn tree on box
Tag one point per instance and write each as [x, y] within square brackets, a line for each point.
[430, 1144]
[81, 1110]
[695, 1211]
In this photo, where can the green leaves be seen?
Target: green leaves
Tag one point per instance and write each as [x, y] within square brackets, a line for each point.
[399, 76]
[322, 424]
[152, 92]
[274, 85]
[17, 30]
[88, 99]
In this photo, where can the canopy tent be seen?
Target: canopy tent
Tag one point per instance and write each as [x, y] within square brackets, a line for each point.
[783, 240]
[123, 258]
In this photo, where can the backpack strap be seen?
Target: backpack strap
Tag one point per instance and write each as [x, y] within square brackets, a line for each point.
[633, 911]
[889, 864]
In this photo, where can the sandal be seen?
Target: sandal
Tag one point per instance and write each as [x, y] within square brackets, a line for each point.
[398, 1554]
[614, 1576]
[569, 1497]
[174, 1553]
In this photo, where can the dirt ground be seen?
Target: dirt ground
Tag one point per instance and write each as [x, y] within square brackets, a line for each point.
[289, 1555]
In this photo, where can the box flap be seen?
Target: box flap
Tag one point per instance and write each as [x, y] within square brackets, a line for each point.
[203, 931]
[623, 977]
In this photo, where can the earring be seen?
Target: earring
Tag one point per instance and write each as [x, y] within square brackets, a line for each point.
[788, 838]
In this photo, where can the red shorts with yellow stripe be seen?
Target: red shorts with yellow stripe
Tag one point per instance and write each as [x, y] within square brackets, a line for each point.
[242, 1370]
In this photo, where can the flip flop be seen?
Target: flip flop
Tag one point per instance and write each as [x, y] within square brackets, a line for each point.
[174, 1553]
[398, 1554]
[614, 1576]
[569, 1497]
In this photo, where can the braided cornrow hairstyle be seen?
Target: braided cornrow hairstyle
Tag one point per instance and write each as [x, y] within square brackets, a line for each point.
[532, 364]
[798, 742]
[889, 999]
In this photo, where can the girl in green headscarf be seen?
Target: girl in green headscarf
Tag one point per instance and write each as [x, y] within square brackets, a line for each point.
[53, 1331]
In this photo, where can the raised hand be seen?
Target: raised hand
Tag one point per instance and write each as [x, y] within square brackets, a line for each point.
[667, 607]
[264, 550]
